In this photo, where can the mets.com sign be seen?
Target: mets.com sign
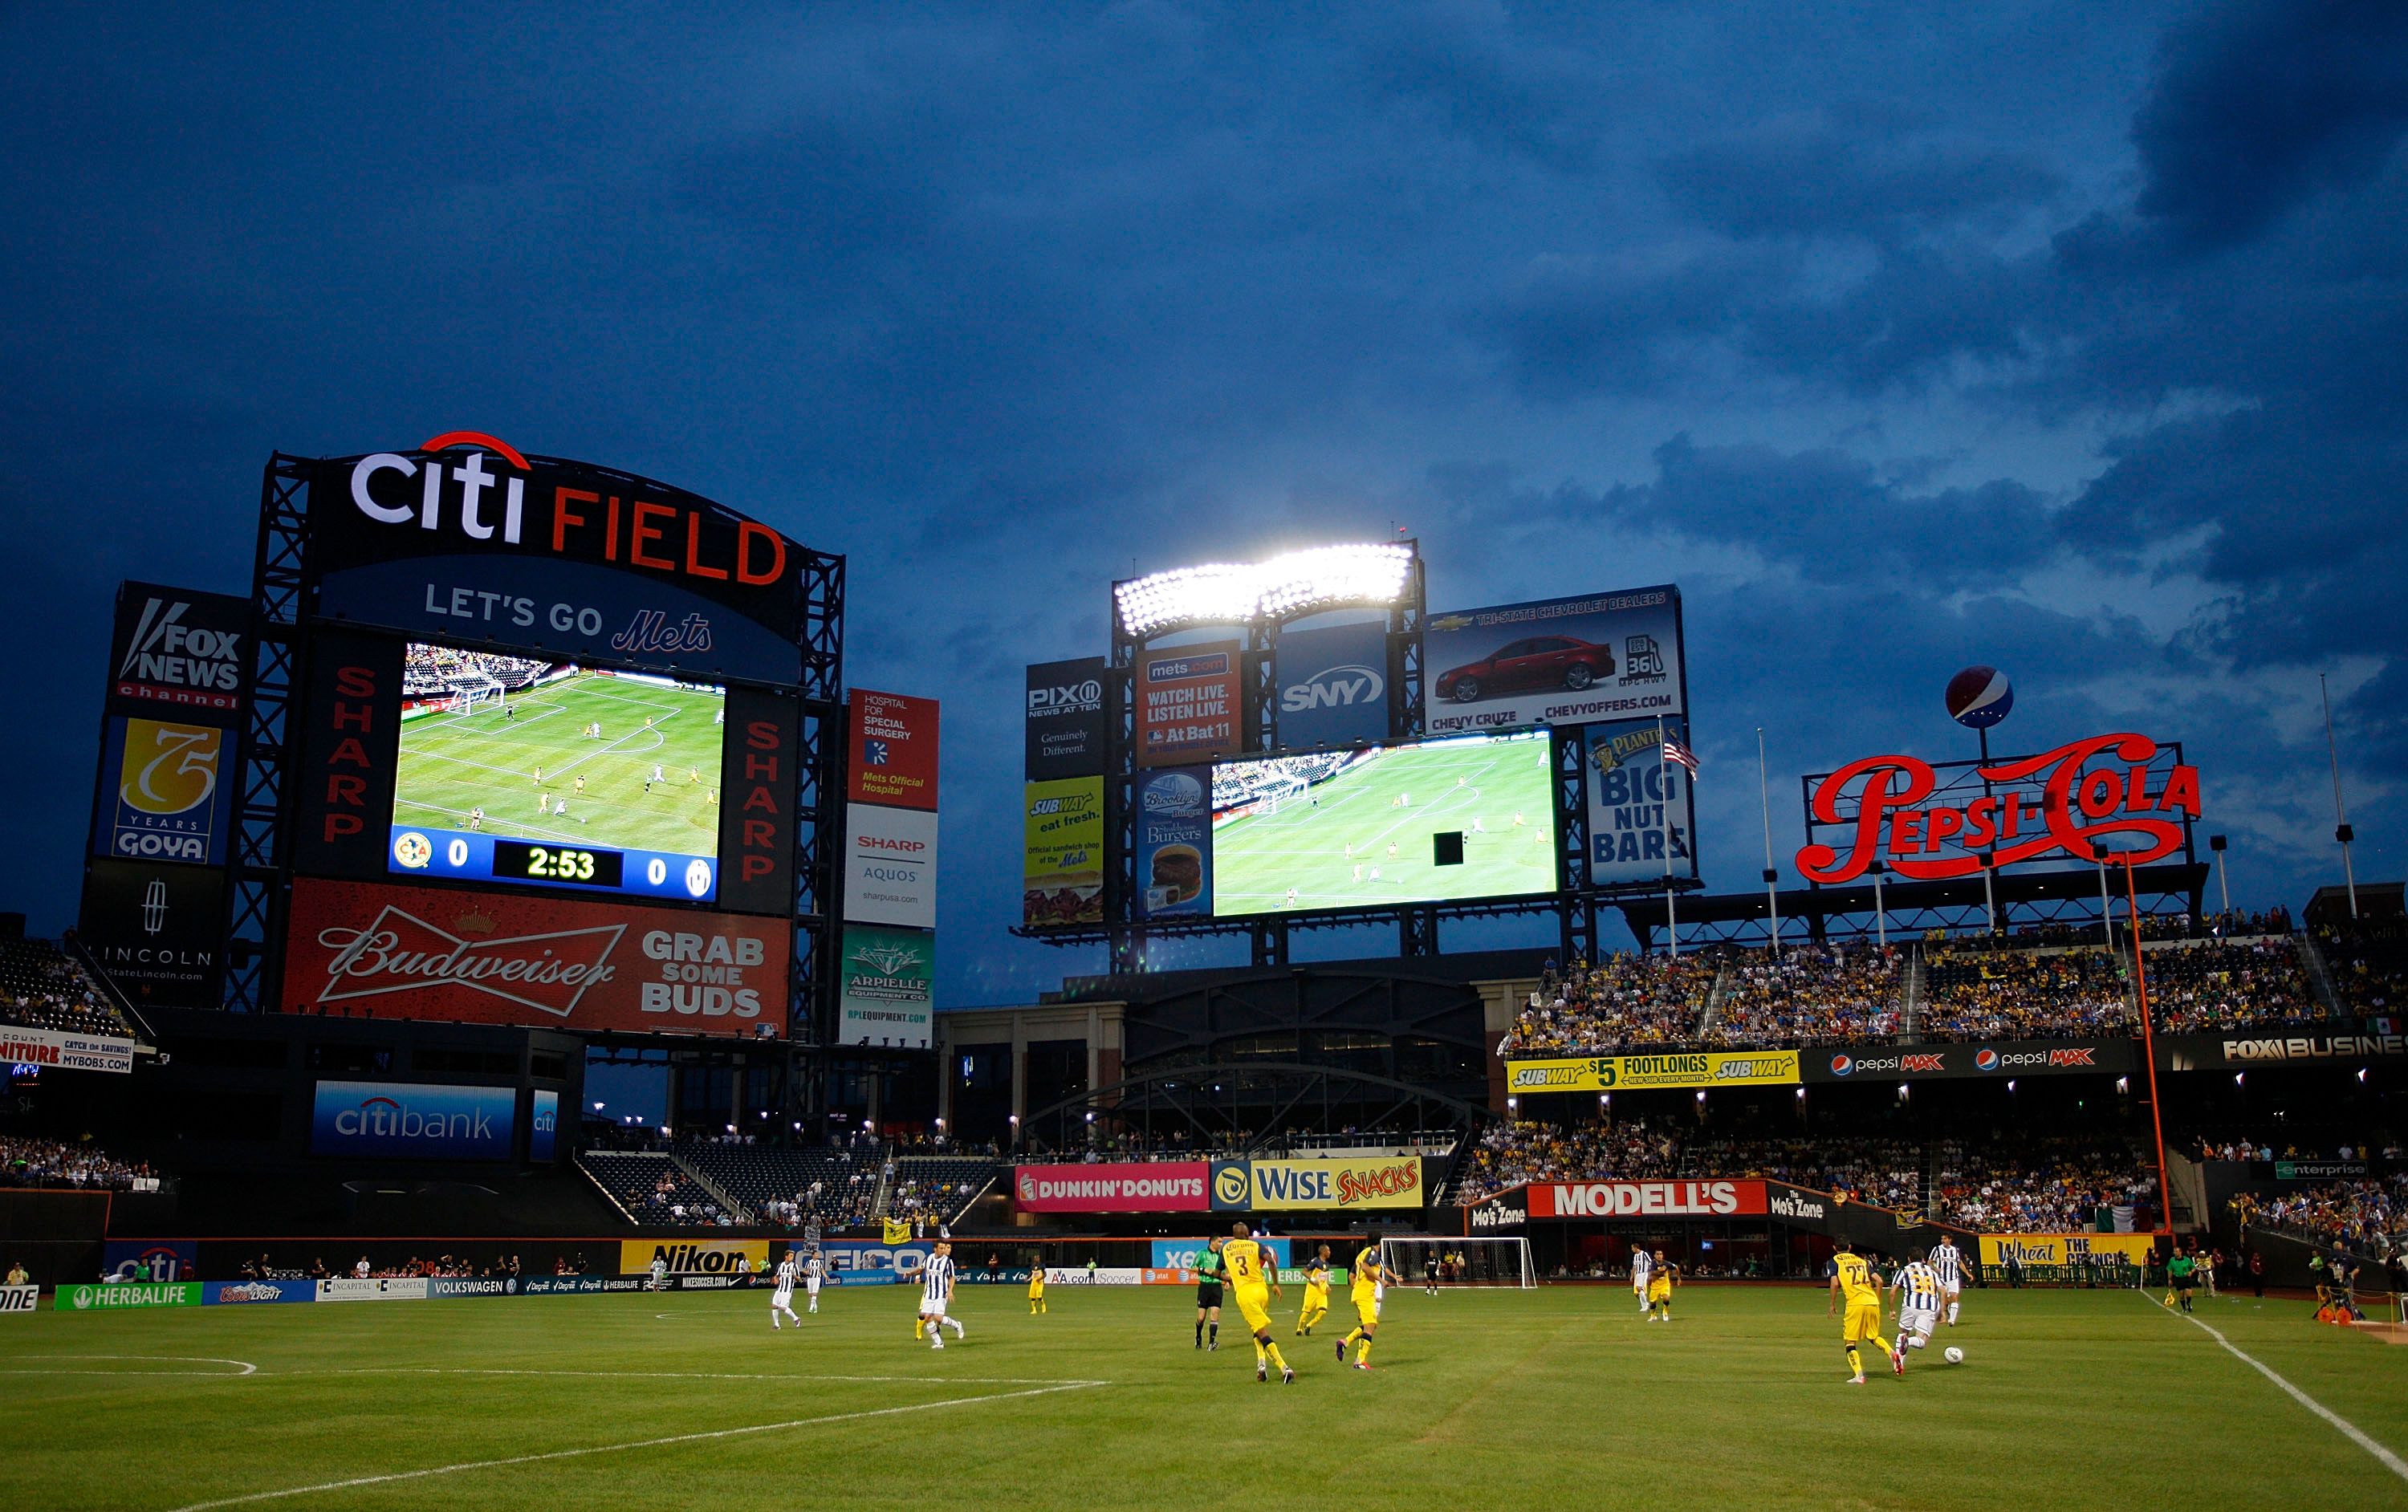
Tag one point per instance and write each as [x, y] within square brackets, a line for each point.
[1622, 1073]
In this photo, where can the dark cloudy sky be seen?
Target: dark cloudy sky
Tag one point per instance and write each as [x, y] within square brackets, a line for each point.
[2067, 337]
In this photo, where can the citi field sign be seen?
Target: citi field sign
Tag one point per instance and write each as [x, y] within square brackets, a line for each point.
[2089, 791]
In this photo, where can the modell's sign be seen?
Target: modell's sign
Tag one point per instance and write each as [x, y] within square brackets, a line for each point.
[1646, 1199]
[2108, 792]
[398, 952]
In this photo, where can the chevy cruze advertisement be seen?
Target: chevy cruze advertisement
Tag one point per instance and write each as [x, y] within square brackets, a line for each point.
[414, 1120]
[1566, 660]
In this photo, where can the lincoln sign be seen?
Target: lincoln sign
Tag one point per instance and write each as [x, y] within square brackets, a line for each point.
[2089, 791]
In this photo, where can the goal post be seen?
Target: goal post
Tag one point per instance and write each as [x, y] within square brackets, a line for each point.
[1487, 1261]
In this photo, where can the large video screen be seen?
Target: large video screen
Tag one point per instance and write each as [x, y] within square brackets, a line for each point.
[1439, 821]
[544, 773]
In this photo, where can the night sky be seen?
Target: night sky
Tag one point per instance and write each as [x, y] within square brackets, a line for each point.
[2067, 337]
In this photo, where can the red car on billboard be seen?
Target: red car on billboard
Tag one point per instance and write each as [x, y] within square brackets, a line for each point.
[1537, 662]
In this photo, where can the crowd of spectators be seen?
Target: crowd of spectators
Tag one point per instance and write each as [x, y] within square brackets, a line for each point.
[1624, 1000]
[2225, 1147]
[1886, 1172]
[2368, 1215]
[41, 987]
[2214, 985]
[1813, 994]
[2024, 994]
[2048, 1186]
[1515, 1154]
[49, 1163]
[2368, 963]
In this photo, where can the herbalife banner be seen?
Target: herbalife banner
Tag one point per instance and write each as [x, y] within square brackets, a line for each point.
[76, 1299]
[886, 987]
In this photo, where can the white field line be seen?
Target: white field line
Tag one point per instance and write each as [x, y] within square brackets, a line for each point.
[247, 1367]
[252, 1497]
[2349, 1430]
[697, 1375]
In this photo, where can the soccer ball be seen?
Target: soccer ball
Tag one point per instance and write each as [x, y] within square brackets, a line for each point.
[1954, 1355]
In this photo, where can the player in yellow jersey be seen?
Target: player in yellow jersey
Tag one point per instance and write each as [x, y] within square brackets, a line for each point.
[1373, 1279]
[1254, 1278]
[1661, 1278]
[1037, 1287]
[1316, 1292]
[1852, 1281]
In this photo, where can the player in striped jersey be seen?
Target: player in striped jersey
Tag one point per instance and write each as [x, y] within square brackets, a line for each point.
[783, 1300]
[1917, 1286]
[936, 1291]
[1948, 1263]
[1639, 1264]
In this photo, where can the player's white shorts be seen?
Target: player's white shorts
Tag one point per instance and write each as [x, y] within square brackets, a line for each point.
[811, 1284]
[1948, 1290]
[1919, 1321]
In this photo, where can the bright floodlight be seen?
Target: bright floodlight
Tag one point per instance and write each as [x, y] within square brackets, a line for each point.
[1232, 594]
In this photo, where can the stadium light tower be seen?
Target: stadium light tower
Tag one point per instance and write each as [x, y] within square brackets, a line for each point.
[1293, 583]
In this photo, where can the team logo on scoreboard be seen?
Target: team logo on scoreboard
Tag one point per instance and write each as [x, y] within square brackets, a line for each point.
[165, 807]
[412, 849]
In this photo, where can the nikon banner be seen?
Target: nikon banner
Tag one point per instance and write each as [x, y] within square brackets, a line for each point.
[1624, 1073]
[695, 1257]
[2068, 1249]
[1317, 1185]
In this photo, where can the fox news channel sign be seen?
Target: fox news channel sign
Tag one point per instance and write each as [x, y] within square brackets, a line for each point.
[415, 1121]
[1333, 685]
[177, 652]
[468, 538]
[1624, 1073]
[1567, 661]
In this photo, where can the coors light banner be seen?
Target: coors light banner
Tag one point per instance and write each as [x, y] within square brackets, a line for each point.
[403, 952]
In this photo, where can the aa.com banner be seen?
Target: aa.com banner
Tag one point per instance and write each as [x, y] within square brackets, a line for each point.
[2066, 1248]
[1317, 1185]
[1166, 1186]
[1613, 1073]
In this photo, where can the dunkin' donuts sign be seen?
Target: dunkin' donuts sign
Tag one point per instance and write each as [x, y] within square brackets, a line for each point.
[2112, 792]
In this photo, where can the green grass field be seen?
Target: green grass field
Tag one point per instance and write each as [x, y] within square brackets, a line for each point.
[452, 763]
[1329, 852]
[1556, 1398]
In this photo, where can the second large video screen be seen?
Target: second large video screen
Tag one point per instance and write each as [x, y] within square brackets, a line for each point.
[1441, 822]
[546, 774]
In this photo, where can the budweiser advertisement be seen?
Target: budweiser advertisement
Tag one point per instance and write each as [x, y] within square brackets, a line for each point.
[2117, 792]
[1999, 1058]
[1165, 1187]
[404, 953]
[1646, 1199]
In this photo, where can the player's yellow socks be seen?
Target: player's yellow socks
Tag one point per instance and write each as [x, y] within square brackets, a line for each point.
[1363, 1351]
[1879, 1343]
[1258, 1354]
[1356, 1338]
[1272, 1349]
[916, 1323]
[1855, 1362]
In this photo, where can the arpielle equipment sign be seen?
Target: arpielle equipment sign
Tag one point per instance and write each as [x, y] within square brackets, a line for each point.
[2091, 789]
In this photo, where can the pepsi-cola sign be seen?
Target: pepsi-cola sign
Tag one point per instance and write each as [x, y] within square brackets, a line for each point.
[2090, 791]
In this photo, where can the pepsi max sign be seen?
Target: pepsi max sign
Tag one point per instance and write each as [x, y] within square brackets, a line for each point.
[412, 1120]
[1947, 1062]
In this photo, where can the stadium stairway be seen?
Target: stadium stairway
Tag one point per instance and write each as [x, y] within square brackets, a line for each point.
[2319, 972]
[741, 1213]
[1724, 980]
[1918, 987]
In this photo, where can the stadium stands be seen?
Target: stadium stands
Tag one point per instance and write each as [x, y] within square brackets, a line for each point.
[1514, 1154]
[654, 1189]
[790, 1187]
[1886, 1172]
[2052, 1186]
[2368, 964]
[2025, 994]
[1809, 995]
[2214, 984]
[42, 988]
[2370, 1217]
[1623, 1000]
[938, 1186]
[48, 1162]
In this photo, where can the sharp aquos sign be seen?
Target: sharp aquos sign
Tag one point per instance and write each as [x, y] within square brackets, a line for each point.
[1646, 1199]
[2115, 792]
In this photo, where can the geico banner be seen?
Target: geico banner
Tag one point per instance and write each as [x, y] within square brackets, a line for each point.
[1323, 1185]
[76, 1299]
[2066, 1248]
[245, 1294]
[410, 952]
[67, 1052]
[177, 648]
[1611, 1072]
[694, 1257]
[862, 1262]
[466, 537]
[890, 867]
[1646, 1199]
[19, 1298]
[373, 1289]
[1997, 1058]
[1166, 1187]
[1567, 661]
[2242, 1051]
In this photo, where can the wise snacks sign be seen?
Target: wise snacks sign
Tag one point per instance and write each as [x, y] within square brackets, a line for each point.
[2060, 803]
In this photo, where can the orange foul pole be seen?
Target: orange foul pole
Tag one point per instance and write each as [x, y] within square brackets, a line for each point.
[2149, 1050]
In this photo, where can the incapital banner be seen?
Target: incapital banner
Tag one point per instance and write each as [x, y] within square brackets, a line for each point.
[1344, 1185]
[413, 953]
[1692, 1068]
[1189, 704]
[1061, 874]
[1886, 1061]
[1126, 1187]
[1646, 1199]
[373, 1289]
[893, 751]
[2066, 1248]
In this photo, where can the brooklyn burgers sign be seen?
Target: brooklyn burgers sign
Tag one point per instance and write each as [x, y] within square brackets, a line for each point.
[2103, 793]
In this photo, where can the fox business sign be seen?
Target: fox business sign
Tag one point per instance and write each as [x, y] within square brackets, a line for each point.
[1624, 1073]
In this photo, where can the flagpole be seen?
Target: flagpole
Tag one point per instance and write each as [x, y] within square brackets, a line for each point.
[1772, 885]
[1664, 793]
[2341, 818]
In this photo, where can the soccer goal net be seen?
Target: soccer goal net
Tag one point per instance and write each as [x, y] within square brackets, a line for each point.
[1483, 1261]
[474, 691]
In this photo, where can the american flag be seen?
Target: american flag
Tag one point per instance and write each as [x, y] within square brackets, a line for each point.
[1678, 754]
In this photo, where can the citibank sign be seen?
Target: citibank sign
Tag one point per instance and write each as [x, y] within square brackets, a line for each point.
[413, 1120]
[2091, 790]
